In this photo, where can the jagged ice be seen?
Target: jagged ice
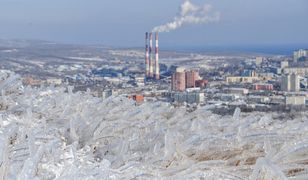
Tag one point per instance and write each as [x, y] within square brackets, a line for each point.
[53, 133]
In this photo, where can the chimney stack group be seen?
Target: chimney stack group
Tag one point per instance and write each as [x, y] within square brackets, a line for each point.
[151, 65]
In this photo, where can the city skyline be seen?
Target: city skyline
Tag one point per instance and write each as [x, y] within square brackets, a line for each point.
[176, 89]
[122, 24]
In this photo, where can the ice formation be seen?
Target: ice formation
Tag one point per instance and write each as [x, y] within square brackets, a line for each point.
[52, 133]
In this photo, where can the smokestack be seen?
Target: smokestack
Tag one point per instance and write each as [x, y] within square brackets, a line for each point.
[156, 57]
[147, 64]
[151, 57]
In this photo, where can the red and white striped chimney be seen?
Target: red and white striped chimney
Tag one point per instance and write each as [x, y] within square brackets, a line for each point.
[147, 64]
[151, 74]
[156, 57]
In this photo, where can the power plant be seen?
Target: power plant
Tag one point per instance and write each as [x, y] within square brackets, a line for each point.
[151, 65]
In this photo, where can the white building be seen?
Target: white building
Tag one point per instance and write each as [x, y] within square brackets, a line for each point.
[242, 91]
[259, 61]
[295, 100]
[189, 97]
[54, 81]
[297, 70]
[290, 83]
[241, 79]
[302, 53]
[259, 99]
[109, 92]
[228, 97]
[139, 81]
[284, 64]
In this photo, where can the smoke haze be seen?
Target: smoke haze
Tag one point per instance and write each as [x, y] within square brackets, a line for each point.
[190, 14]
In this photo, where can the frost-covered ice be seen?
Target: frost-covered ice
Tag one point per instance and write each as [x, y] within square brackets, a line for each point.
[47, 133]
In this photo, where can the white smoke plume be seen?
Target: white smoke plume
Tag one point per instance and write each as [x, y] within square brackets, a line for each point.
[190, 14]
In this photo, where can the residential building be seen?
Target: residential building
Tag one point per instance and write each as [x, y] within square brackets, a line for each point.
[295, 100]
[297, 70]
[302, 53]
[264, 87]
[191, 77]
[240, 79]
[290, 83]
[178, 82]
[259, 61]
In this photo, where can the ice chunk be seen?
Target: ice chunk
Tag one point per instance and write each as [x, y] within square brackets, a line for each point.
[237, 113]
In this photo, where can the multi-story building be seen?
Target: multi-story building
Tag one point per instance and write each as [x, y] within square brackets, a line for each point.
[264, 87]
[295, 83]
[302, 53]
[284, 64]
[107, 93]
[259, 61]
[297, 70]
[139, 81]
[241, 91]
[201, 83]
[31, 81]
[249, 73]
[295, 100]
[183, 79]
[178, 82]
[240, 79]
[285, 83]
[189, 97]
[290, 83]
[191, 77]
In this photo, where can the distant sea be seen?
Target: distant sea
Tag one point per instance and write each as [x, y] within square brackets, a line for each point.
[286, 50]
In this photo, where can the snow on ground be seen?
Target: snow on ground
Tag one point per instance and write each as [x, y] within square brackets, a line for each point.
[87, 58]
[51, 133]
[127, 53]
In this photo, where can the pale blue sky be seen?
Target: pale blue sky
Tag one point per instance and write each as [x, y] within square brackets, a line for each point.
[123, 22]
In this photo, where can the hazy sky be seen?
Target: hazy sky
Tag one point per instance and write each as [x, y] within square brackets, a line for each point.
[123, 22]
